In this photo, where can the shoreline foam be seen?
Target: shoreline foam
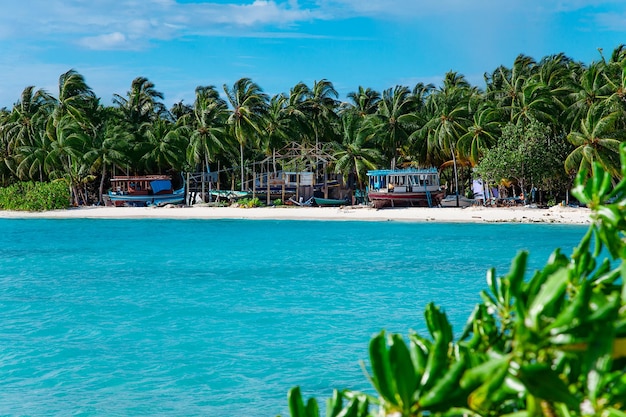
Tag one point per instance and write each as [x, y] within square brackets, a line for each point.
[556, 214]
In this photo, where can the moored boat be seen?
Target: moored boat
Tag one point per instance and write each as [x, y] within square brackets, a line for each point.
[404, 187]
[230, 194]
[329, 202]
[145, 190]
[451, 201]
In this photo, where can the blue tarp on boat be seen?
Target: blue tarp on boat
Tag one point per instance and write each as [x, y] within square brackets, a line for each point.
[160, 185]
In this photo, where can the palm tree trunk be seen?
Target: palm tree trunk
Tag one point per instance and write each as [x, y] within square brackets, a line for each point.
[274, 162]
[456, 177]
[101, 188]
[241, 162]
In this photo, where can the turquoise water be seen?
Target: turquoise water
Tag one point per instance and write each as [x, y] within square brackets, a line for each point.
[222, 317]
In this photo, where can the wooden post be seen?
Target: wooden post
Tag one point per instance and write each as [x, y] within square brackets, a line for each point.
[298, 186]
[283, 186]
[203, 189]
[253, 182]
[187, 188]
[218, 175]
[325, 182]
[267, 181]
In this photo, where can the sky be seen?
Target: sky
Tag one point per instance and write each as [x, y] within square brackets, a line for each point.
[182, 44]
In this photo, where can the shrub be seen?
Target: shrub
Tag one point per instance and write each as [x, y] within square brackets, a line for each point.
[250, 202]
[35, 196]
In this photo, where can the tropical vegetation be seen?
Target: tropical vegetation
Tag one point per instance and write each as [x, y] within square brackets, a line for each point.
[535, 124]
[546, 343]
[35, 196]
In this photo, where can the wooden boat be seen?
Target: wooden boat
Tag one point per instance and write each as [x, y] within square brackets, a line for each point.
[404, 187]
[329, 202]
[145, 190]
[451, 201]
[229, 194]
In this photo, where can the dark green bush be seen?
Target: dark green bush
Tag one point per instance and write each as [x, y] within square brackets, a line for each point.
[35, 196]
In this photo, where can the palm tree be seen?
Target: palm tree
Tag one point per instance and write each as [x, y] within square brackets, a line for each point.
[590, 88]
[248, 104]
[449, 110]
[140, 104]
[356, 153]
[597, 141]
[319, 108]
[27, 116]
[30, 158]
[301, 125]
[139, 108]
[207, 129]
[180, 110]
[363, 102]
[482, 133]
[23, 129]
[394, 121]
[421, 92]
[164, 147]
[278, 127]
[109, 145]
[65, 159]
[506, 86]
[75, 98]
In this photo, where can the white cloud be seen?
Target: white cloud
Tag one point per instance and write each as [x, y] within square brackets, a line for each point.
[611, 21]
[115, 40]
[108, 24]
[104, 24]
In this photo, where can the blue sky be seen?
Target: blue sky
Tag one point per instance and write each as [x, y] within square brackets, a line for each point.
[182, 44]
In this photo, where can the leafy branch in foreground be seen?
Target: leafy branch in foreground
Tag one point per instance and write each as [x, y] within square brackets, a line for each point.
[552, 344]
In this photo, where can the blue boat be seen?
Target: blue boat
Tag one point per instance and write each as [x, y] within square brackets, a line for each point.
[404, 187]
[145, 190]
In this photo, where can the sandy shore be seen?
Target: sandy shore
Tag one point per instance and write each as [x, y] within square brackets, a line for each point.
[555, 214]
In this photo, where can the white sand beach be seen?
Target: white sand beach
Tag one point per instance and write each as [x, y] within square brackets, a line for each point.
[556, 214]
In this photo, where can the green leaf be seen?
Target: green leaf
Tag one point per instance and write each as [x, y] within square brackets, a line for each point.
[517, 272]
[419, 349]
[438, 356]
[437, 322]
[404, 374]
[353, 409]
[482, 398]
[542, 382]
[381, 369]
[469, 324]
[334, 404]
[575, 311]
[476, 376]
[551, 291]
[296, 405]
[312, 409]
[444, 387]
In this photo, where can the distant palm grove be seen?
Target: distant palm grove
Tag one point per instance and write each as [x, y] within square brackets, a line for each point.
[535, 124]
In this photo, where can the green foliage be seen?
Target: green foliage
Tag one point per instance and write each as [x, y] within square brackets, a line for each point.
[527, 153]
[278, 202]
[30, 196]
[250, 202]
[549, 344]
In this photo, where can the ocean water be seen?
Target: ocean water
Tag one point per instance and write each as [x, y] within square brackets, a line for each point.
[222, 317]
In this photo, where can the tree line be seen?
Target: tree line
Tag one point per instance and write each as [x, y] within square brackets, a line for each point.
[534, 124]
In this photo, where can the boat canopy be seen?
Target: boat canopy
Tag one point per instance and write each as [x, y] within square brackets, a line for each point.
[380, 178]
[160, 185]
[381, 172]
